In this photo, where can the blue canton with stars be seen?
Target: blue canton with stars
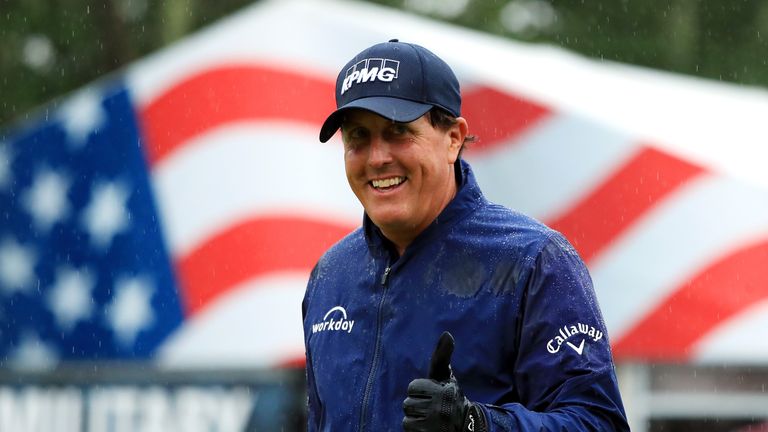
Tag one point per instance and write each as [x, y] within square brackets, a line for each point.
[84, 271]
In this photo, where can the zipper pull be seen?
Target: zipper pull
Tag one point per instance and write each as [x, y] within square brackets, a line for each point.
[385, 276]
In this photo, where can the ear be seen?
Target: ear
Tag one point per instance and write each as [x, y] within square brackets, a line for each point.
[456, 135]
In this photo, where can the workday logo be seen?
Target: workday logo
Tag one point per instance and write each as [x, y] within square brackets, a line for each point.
[334, 323]
[369, 70]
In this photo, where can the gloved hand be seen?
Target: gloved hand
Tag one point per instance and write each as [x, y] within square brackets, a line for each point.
[436, 403]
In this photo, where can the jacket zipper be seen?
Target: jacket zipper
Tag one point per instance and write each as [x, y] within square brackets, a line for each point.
[376, 351]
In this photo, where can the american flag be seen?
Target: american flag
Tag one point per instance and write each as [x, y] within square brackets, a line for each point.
[84, 270]
[174, 212]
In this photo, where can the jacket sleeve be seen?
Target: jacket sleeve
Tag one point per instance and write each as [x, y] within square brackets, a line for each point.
[563, 369]
[313, 403]
[313, 410]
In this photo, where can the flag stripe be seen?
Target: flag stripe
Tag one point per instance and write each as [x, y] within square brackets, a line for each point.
[244, 169]
[610, 208]
[218, 96]
[495, 117]
[714, 295]
[734, 340]
[550, 166]
[251, 248]
[255, 323]
[228, 94]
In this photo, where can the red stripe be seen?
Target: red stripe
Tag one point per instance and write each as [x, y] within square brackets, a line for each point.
[718, 293]
[241, 93]
[296, 362]
[621, 199]
[495, 117]
[229, 94]
[252, 248]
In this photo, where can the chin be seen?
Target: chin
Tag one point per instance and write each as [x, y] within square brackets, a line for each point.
[388, 221]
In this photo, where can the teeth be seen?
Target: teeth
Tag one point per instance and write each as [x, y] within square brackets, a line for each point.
[385, 183]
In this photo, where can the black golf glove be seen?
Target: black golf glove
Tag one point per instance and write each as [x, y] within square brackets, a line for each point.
[436, 403]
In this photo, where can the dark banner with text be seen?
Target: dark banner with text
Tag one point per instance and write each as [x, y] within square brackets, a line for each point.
[135, 399]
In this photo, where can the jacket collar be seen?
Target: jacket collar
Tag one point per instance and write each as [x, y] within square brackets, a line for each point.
[468, 197]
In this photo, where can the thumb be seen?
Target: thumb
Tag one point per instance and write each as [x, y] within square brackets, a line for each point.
[440, 365]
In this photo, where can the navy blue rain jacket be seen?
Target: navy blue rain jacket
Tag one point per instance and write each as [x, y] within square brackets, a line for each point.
[531, 344]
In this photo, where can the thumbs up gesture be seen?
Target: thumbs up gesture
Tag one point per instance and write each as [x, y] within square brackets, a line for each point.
[436, 403]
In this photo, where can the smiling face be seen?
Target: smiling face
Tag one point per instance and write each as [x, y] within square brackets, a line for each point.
[402, 173]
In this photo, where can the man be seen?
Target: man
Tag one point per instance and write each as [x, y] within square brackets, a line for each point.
[436, 268]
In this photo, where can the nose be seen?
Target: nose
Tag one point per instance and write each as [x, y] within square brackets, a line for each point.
[380, 152]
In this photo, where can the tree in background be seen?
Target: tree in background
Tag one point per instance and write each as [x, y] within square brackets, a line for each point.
[719, 39]
[54, 46]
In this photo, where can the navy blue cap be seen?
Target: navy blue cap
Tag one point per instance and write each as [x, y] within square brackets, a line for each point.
[396, 80]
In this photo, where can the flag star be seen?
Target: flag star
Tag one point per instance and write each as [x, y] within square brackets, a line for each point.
[70, 298]
[5, 165]
[46, 200]
[81, 115]
[130, 311]
[106, 214]
[16, 266]
[31, 353]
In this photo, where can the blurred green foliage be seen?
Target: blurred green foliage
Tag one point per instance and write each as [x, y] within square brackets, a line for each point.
[718, 39]
[50, 47]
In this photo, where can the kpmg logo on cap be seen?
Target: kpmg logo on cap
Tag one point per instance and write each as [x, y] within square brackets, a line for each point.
[369, 70]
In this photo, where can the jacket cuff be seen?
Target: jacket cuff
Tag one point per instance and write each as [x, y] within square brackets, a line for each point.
[475, 420]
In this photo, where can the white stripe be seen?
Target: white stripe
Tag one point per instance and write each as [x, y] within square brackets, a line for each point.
[552, 166]
[738, 340]
[256, 324]
[242, 170]
[678, 238]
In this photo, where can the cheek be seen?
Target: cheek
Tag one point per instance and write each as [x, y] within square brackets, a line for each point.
[355, 173]
[351, 162]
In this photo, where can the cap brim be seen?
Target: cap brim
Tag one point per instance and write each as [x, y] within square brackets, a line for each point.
[399, 110]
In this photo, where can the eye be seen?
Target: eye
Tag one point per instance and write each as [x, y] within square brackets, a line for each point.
[358, 133]
[354, 136]
[397, 131]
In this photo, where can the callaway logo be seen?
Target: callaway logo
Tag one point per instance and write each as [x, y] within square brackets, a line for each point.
[370, 70]
[566, 332]
[334, 325]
